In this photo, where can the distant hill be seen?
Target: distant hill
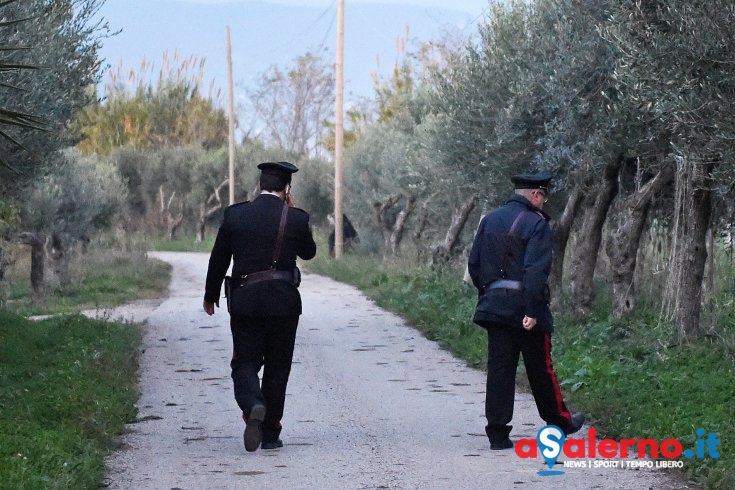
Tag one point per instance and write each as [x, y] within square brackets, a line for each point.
[265, 34]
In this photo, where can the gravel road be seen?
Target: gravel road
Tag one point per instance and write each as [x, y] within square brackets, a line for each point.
[371, 404]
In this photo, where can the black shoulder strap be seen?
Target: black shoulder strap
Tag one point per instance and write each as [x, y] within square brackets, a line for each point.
[506, 254]
[279, 240]
[516, 221]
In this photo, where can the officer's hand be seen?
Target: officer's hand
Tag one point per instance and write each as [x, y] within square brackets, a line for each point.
[208, 307]
[528, 322]
[290, 201]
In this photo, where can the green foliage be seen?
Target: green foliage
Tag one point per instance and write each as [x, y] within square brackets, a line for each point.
[146, 117]
[398, 158]
[669, 67]
[8, 222]
[62, 38]
[208, 172]
[9, 117]
[69, 386]
[109, 287]
[166, 183]
[76, 198]
[635, 384]
[474, 96]
[628, 377]
[193, 183]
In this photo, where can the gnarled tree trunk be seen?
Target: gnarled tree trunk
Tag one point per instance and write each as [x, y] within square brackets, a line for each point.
[624, 238]
[380, 209]
[443, 252]
[60, 259]
[215, 204]
[168, 219]
[393, 232]
[400, 225]
[38, 257]
[4, 261]
[582, 268]
[422, 222]
[562, 228]
[692, 213]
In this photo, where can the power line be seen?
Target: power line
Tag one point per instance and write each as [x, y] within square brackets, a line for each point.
[311, 28]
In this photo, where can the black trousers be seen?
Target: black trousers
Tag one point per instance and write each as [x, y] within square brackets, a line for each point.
[266, 342]
[505, 344]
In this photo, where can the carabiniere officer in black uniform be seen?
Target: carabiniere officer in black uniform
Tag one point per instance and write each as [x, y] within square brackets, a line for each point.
[264, 301]
[509, 265]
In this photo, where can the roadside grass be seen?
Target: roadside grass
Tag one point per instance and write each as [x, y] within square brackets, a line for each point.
[629, 377]
[635, 381]
[69, 383]
[68, 387]
[102, 279]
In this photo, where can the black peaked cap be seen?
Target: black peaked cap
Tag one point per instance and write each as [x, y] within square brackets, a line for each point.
[540, 180]
[279, 168]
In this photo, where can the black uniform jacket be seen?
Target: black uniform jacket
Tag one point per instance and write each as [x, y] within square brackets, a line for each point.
[524, 256]
[248, 236]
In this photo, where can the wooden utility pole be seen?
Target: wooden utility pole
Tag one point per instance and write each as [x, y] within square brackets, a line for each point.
[232, 119]
[339, 133]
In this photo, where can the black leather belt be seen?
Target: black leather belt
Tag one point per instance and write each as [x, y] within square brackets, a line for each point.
[268, 275]
[506, 284]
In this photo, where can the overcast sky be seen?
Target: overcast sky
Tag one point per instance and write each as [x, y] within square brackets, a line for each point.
[276, 32]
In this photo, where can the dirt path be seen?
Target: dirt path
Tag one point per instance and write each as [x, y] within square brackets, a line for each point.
[371, 404]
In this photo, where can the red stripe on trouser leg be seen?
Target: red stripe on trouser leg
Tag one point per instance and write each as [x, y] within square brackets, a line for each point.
[563, 412]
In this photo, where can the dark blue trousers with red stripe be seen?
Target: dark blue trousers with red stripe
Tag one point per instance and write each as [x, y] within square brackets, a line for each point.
[505, 344]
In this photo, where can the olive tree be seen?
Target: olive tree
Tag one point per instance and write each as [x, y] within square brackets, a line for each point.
[61, 38]
[66, 207]
[49, 67]
[676, 64]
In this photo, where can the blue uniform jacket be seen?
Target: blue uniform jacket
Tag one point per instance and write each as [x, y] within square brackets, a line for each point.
[524, 256]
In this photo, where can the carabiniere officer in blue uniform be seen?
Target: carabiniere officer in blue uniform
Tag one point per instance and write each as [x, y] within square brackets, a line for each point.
[509, 265]
[263, 238]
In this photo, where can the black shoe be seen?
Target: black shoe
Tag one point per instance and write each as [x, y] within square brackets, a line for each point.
[504, 444]
[271, 444]
[577, 423]
[253, 435]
